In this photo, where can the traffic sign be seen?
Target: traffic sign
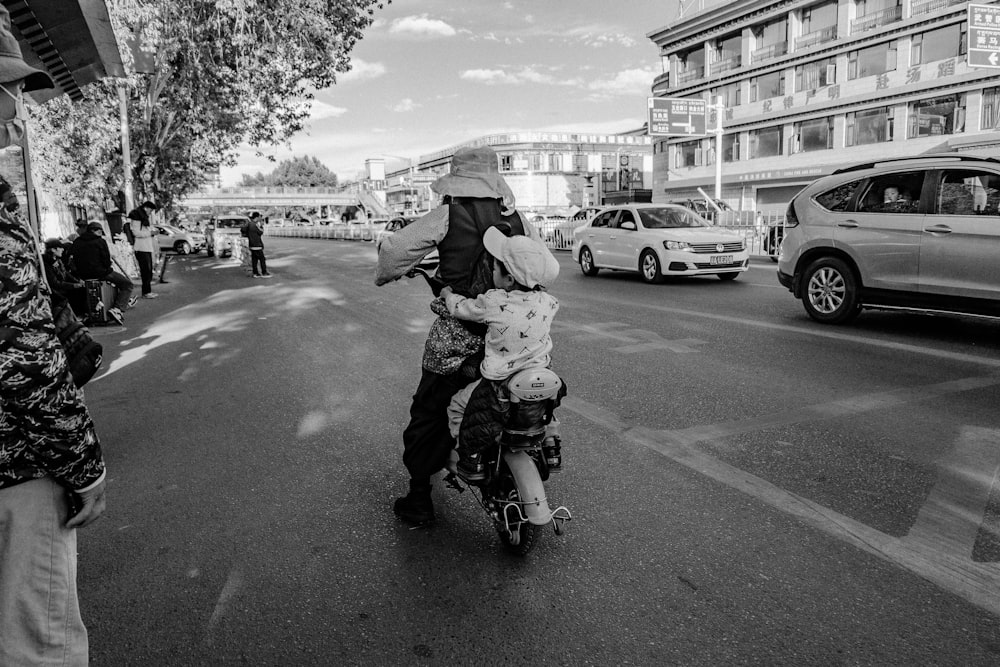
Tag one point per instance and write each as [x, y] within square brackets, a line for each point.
[984, 36]
[674, 116]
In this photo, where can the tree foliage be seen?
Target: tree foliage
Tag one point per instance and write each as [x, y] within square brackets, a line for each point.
[227, 72]
[303, 171]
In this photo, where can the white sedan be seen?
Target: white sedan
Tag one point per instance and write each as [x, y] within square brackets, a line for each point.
[658, 240]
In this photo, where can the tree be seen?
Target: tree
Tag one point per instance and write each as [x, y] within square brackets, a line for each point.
[227, 72]
[304, 172]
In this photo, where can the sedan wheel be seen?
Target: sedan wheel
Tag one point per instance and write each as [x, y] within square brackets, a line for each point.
[649, 267]
[587, 262]
[831, 291]
[183, 247]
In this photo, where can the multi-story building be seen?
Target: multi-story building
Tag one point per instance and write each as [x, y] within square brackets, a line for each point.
[804, 87]
[551, 172]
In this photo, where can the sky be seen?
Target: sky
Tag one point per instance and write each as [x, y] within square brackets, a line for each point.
[430, 74]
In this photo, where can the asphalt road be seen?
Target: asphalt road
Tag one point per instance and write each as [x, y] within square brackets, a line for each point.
[747, 487]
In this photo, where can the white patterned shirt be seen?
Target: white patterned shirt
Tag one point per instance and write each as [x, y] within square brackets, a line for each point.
[518, 328]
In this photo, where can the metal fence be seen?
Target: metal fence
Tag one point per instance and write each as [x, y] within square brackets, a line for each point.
[762, 231]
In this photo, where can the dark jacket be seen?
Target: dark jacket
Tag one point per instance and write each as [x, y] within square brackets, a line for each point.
[253, 232]
[60, 279]
[91, 257]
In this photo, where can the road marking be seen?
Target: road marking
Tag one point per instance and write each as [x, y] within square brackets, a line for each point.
[637, 340]
[976, 583]
[950, 517]
[234, 582]
[832, 335]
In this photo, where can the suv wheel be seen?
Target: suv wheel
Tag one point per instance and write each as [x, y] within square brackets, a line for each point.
[830, 291]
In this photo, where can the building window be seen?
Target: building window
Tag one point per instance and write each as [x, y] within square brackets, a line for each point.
[814, 135]
[506, 163]
[691, 65]
[688, 154]
[947, 42]
[938, 116]
[815, 74]
[991, 109]
[819, 24]
[873, 60]
[730, 94]
[767, 86]
[555, 162]
[726, 54]
[766, 142]
[770, 40]
[731, 147]
[869, 127]
[580, 161]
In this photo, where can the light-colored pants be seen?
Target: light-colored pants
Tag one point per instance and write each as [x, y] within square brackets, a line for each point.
[456, 409]
[40, 620]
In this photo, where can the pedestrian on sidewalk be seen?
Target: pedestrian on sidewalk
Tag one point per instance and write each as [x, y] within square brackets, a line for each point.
[254, 233]
[92, 261]
[52, 474]
[144, 245]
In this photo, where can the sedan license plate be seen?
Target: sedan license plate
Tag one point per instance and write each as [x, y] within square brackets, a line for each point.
[721, 259]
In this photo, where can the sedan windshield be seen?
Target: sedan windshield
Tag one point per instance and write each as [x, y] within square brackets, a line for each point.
[669, 218]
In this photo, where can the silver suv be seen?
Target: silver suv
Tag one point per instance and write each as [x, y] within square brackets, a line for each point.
[918, 233]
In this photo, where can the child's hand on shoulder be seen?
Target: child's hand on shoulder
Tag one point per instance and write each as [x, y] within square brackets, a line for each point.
[446, 291]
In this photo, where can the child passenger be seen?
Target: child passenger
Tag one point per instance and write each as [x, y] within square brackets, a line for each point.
[518, 315]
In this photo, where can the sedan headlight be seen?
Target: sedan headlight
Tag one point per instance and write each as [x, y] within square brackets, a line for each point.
[677, 245]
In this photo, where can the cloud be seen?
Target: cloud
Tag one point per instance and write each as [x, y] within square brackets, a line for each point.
[421, 26]
[524, 75]
[362, 70]
[626, 82]
[320, 110]
[404, 105]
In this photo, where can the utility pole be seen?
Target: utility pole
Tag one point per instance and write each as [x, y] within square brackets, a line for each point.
[720, 108]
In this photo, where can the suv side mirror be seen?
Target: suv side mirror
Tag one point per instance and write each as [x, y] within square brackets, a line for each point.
[629, 226]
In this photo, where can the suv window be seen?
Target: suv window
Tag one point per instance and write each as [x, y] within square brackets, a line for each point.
[968, 192]
[893, 193]
[839, 198]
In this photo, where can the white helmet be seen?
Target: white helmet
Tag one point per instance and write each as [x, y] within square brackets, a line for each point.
[534, 384]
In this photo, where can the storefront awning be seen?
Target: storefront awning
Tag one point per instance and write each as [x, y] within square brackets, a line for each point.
[70, 39]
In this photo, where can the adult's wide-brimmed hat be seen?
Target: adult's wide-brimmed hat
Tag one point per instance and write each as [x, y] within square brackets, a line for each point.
[475, 173]
[12, 65]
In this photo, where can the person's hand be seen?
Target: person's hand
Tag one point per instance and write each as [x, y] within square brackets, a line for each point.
[445, 291]
[92, 505]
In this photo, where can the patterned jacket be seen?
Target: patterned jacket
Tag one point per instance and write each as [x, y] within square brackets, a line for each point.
[45, 428]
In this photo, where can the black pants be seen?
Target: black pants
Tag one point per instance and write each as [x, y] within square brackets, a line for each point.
[427, 443]
[145, 261]
[257, 259]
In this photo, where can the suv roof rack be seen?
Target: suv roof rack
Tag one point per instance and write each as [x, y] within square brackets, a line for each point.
[960, 157]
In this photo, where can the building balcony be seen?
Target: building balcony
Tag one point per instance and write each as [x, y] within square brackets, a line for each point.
[768, 52]
[816, 37]
[932, 5]
[725, 65]
[689, 75]
[662, 82]
[876, 19]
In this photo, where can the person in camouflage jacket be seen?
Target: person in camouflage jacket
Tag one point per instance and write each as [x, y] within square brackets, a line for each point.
[50, 462]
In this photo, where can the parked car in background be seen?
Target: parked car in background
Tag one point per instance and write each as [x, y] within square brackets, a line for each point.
[181, 241]
[220, 236]
[658, 240]
[917, 233]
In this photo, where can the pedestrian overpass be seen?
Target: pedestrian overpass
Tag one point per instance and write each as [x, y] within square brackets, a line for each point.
[240, 198]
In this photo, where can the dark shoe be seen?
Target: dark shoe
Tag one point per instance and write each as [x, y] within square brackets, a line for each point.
[164, 282]
[416, 506]
[265, 275]
[471, 467]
